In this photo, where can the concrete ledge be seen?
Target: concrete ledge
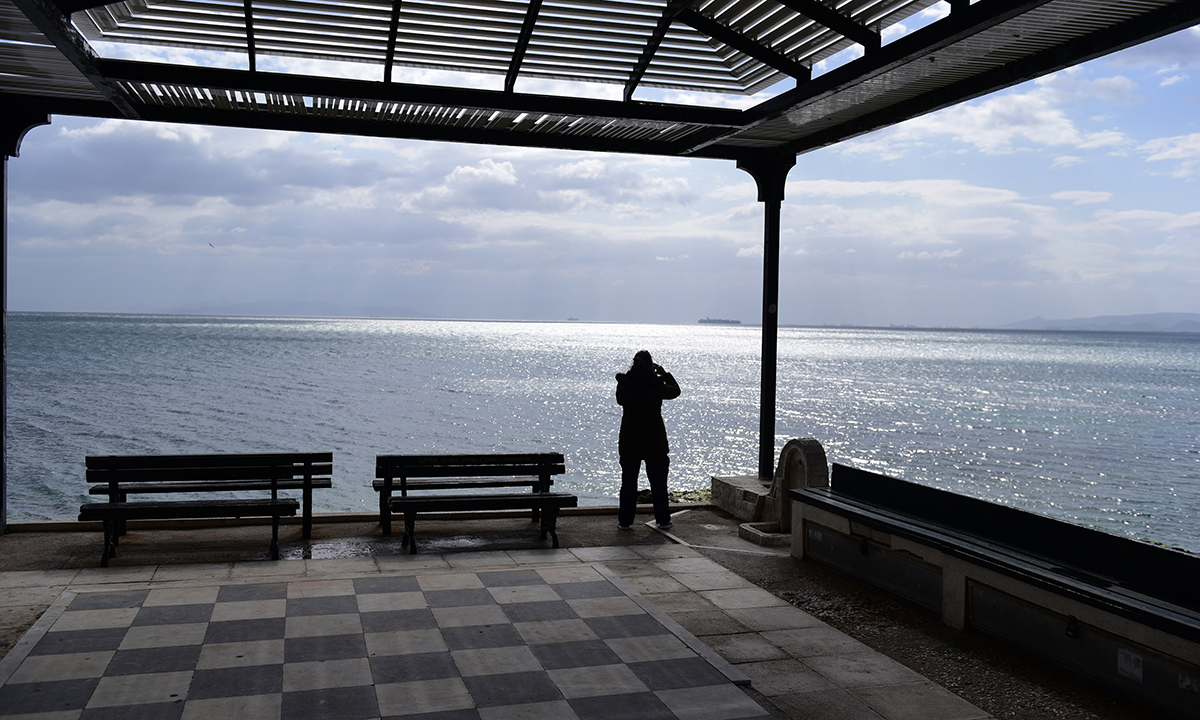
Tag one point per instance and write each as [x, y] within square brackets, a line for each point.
[740, 495]
[765, 533]
[1100, 620]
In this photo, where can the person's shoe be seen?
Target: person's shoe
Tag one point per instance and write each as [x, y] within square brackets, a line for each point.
[668, 526]
[624, 527]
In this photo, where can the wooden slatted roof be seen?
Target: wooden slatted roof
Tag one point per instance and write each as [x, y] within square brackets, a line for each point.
[719, 47]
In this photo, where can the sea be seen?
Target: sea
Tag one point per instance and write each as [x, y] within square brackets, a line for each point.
[1097, 429]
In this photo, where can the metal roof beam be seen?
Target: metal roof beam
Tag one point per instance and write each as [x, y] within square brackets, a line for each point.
[249, 11]
[1157, 23]
[660, 31]
[57, 28]
[978, 18]
[408, 131]
[393, 31]
[741, 43]
[518, 56]
[74, 6]
[222, 78]
[837, 22]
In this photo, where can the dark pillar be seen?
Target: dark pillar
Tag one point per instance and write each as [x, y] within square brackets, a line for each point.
[770, 174]
[14, 123]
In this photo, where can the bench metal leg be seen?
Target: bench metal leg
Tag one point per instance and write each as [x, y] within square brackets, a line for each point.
[410, 519]
[307, 532]
[111, 528]
[385, 512]
[275, 537]
[549, 520]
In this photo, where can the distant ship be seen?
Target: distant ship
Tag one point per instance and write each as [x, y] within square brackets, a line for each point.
[719, 321]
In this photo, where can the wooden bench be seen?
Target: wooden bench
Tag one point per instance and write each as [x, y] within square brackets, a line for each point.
[214, 476]
[470, 473]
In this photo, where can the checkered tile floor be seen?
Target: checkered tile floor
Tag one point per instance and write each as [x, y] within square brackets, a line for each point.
[557, 643]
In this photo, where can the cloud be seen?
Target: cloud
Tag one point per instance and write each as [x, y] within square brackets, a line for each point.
[1003, 123]
[933, 192]
[1185, 148]
[942, 255]
[1083, 197]
[1066, 161]
[1177, 50]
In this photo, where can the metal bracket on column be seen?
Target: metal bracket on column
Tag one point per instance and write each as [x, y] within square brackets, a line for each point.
[770, 171]
[15, 120]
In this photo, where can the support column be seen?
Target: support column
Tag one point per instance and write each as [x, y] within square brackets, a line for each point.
[770, 174]
[14, 123]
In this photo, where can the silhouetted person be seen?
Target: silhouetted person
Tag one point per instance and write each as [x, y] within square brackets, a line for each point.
[640, 391]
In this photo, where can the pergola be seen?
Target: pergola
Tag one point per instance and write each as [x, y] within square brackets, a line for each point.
[48, 66]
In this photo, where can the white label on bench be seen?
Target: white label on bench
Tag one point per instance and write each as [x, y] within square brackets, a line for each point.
[1129, 664]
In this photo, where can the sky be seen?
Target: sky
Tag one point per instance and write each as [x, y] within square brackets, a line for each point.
[1075, 195]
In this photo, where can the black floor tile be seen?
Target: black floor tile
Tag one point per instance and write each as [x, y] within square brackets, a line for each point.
[152, 711]
[539, 611]
[510, 578]
[174, 614]
[636, 706]
[469, 714]
[678, 673]
[234, 682]
[162, 659]
[352, 703]
[79, 641]
[623, 626]
[245, 630]
[584, 653]
[581, 590]
[45, 697]
[325, 647]
[511, 689]
[387, 669]
[481, 636]
[332, 605]
[247, 593]
[108, 600]
[459, 598]
[372, 585]
[392, 620]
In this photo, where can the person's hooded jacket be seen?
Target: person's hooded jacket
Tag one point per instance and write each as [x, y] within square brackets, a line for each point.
[641, 393]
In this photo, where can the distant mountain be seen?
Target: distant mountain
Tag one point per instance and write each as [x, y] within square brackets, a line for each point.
[286, 308]
[1156, 322]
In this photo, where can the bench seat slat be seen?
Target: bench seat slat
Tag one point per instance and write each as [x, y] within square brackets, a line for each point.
[426, 471]
[217, 486]
[457, 483]
[506, 501]
[188, 509]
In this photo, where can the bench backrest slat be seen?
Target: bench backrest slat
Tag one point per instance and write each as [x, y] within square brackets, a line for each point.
[166, 462]
[469, 465]
[176, 474]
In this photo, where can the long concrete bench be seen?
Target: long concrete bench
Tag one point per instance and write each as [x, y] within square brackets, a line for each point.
[1123, 612]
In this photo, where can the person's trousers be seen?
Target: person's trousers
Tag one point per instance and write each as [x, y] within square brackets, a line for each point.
[656, 471]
